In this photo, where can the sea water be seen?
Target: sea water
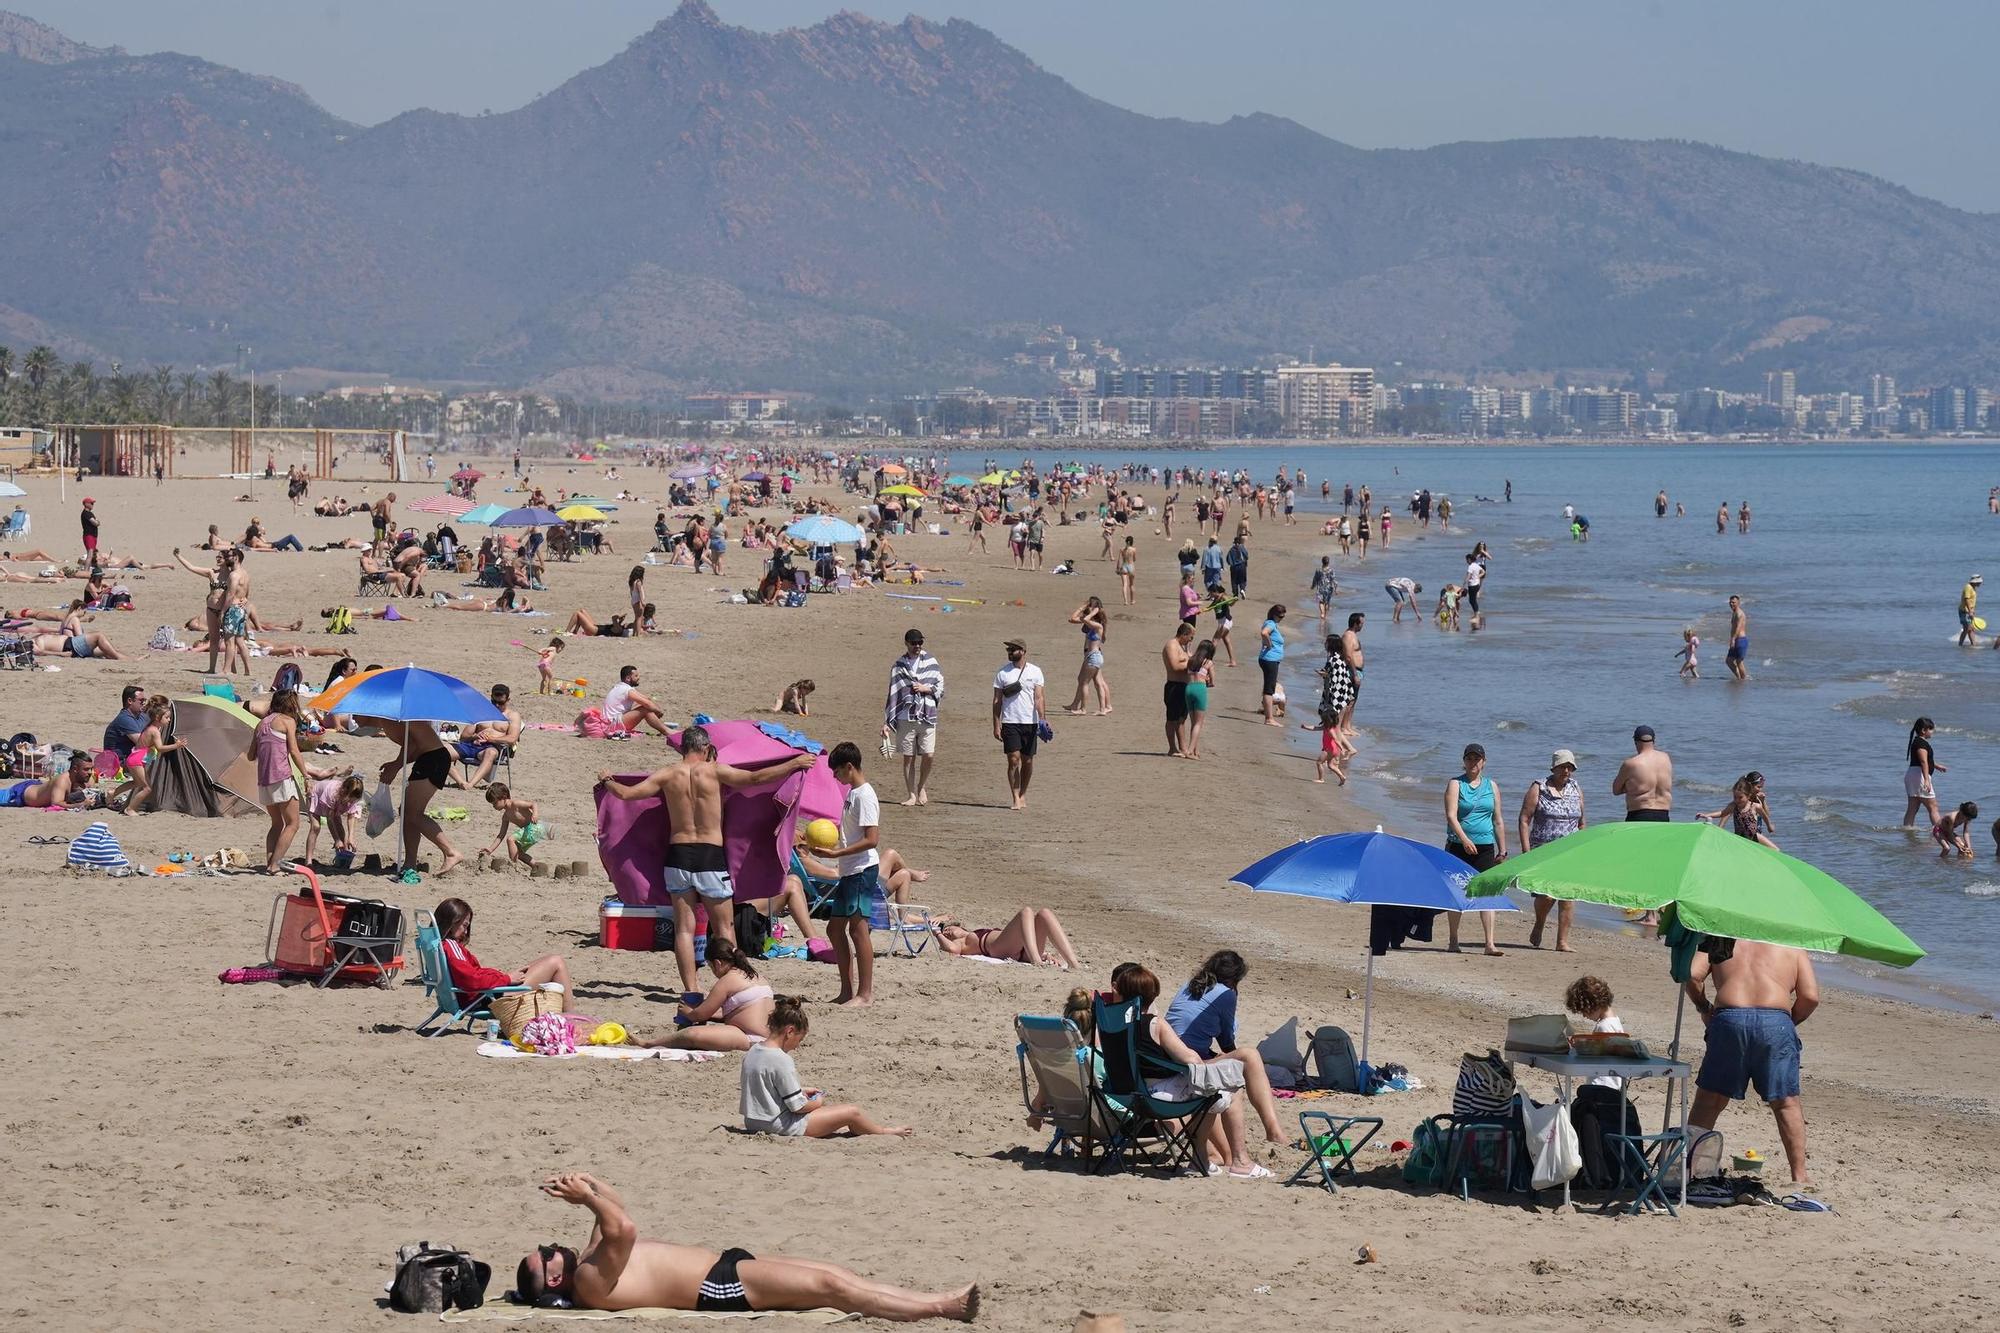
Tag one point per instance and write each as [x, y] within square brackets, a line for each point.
[1850, 574]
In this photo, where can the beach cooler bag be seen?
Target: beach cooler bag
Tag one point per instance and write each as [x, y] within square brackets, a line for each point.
[431, 1279]
[630, 926]
[369, 919]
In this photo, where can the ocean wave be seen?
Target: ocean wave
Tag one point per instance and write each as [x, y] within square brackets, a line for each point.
[1510, 724]
[1985, 888]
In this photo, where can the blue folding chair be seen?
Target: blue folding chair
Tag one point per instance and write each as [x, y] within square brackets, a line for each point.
[439, 990]
[1649, 1159]
[1161, 1133]
[1332, 1150]
[1058, 1086]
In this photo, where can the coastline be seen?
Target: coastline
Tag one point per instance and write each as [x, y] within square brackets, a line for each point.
[324, 1133]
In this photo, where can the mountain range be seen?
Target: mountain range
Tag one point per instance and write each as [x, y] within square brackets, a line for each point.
[862, 205]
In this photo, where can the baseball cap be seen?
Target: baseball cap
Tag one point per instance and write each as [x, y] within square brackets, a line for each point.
[87, 500]
[913, 637]
[1561, 757]
[1642, 733]
[1011, 644]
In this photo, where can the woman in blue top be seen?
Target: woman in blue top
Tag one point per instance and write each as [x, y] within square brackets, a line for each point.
[1472, 834]
[1270, 652]
[1203, 1014]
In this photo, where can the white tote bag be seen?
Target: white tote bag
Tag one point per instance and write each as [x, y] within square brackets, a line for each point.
[381, 810]
[1552, 1140]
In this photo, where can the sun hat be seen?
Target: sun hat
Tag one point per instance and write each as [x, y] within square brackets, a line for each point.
[1561, 757]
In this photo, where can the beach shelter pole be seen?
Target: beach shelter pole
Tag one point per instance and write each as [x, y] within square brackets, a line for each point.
[1367, 1005]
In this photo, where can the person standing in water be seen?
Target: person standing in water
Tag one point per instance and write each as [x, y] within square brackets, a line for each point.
[1743, 519]
[1968, 606]
[1918, 788]
[1722, 519]
[1646, 780]
[1660, 504]
[1739, 638]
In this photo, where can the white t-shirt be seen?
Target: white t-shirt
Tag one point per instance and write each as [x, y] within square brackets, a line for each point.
[617, 700]
[859, 813]
[1475, 573]
[1020, 705]
[1609, 1023]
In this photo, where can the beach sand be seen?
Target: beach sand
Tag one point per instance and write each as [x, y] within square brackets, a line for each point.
[191, 1155]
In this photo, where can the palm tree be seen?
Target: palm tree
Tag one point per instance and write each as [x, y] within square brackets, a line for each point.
[221, 394]
[40, 364]
[190, 388]
[161, 388]
[6, 364]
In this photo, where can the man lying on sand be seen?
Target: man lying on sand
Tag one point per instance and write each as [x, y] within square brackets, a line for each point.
[618, 1270]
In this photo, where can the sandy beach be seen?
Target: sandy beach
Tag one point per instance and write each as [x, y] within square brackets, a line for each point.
[193, 1155]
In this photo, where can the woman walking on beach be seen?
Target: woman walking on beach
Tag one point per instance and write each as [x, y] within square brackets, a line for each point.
[1917, 786]
[1128, 570]
[1090, 616]
[1270, 654]
[1551, 809]
[1472, 833]
[1361, 533]
[1201, 675]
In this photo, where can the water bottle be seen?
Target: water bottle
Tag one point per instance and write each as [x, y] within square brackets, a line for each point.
[492, 1029]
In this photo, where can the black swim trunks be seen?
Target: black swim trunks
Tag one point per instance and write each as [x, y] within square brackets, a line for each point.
[433, 766]
[1648, 816]
[1175, 696]
[721, 1292]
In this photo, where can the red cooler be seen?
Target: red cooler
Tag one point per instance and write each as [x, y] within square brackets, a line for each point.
[623, 925]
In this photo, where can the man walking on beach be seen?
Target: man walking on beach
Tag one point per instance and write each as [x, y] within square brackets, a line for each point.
[1350, 643]
[1646, 780]
[1238, 561]
[1968, 604]
[1739, 638]
[1762, 993]
[697, 865]
[1211, 567]
[1017, 718]
[1175, 657]
[916, 686]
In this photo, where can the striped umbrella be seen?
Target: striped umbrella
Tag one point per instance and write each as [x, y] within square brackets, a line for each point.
[453, 505]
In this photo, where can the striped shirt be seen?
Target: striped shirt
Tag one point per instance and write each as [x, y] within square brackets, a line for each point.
[905, 704]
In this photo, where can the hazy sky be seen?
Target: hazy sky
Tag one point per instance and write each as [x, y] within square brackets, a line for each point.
[1904, 90]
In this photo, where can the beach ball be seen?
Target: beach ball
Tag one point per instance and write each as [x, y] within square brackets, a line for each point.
[822, 834]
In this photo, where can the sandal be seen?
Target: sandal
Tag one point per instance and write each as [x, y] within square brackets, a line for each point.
[38, 841]
[1256, 1172]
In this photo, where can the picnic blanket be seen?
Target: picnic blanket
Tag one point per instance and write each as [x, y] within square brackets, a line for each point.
[513, 1312]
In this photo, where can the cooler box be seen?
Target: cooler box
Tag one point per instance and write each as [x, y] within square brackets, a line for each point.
[624, 926]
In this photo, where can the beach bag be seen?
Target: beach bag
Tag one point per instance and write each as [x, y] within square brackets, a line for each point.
[1545, 1033]
[341, 621]
[1551, 1144]
[1594, 1115]
[370, 919]
[381, 810]
[163, 640]
[1333, 1057]
[514, 1012]
[431, 1279]
[753, 930]
[96, 849]
[1485, 1086]
[592, 724]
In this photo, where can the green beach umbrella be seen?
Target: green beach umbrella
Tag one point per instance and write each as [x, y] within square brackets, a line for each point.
[1717, 883]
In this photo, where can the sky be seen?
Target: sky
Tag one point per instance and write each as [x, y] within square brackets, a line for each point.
[1904, 91]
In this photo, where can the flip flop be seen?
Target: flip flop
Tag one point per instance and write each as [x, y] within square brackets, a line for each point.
[1256, 1172]
[39, 841]
[1805, 1203]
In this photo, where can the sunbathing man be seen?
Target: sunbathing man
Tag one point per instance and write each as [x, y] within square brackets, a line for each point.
[53, 790]
[499, 604]
[619, 1270]
[84, 643]
[697, 863]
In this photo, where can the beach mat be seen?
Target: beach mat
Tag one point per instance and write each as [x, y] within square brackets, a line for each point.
[524, 1312]
[502, 1050]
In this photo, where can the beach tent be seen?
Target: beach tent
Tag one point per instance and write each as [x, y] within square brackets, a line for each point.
[757, 822]
[209, 776]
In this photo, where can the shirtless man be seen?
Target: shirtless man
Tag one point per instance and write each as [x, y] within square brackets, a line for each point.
[1350, 639]
[618, 1270]
[54, 790]
[485, 744]
[371, 563]
[697, 863]
[1762, 993]
[1175, 656]
[1646, 780]
[1739, 638]
[83, 643]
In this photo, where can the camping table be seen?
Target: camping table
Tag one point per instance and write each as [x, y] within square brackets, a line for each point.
[1569, 1068]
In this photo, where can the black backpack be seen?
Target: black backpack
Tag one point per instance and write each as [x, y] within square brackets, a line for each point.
[430, 1280]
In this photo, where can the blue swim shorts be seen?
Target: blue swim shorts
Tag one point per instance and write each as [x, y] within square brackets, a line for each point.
[1747, 1046]
[853, 893]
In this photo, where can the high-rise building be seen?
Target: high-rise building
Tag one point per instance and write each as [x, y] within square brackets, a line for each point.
[1781, 389]
[1947, 408]
[1324, 400]
[1881, 392]
[1978, 402]
[1604, 411]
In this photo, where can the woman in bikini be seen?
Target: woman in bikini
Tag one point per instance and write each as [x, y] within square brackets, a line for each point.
[1091, 616]
[430, 769]
[735, 1014]
[218, 597]
[1128, 570]
[1031, 937]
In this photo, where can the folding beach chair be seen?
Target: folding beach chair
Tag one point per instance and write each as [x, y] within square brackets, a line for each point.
[1163, 1134]
[907, 924]
[1462, 1152]
[1332, 1150]
[1059, 1084]
[439, 990]
[1652, 1160]
[374, 584]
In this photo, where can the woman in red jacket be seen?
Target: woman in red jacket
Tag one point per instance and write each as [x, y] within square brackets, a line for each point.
[454, 923]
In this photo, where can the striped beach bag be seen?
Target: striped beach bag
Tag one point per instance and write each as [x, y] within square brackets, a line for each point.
[1485, 1086]
[96, 849]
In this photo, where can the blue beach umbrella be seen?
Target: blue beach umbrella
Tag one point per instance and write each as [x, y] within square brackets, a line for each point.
[824, 530]
[483, 515]
[958, 479]
[528, 516]
[1369, 869]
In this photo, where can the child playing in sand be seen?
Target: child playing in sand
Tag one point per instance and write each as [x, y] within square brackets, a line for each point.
[793, 700]
[334, 802]
[545, 663]
[1690, 669]
[524, 817]
[1954, 832]
[771, 1100]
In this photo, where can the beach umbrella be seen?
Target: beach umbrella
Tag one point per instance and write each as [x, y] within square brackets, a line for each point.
[483, 515]
[1716, 882]
[897, 468]
[1373, 869]
[528, 516]
[581, 513]
[823, 530]
[596, 501]
[408, 694]
[452, 505]
[9, 490]
[902, 489]
[755, 476]
[993, 479]
[467, 474]
[959, 479]
[211, 774]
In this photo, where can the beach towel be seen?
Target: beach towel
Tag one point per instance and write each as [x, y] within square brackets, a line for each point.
[97, 849]
[503, 1050]
[516, 1312]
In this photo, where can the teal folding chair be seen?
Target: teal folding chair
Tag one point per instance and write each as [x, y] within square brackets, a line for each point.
[1651, 1160]
[1160, 1133]
[1331, 1147]
[439, 990]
